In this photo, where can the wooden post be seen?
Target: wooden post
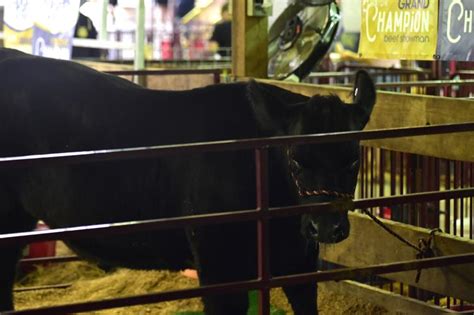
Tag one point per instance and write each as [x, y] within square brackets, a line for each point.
[249, 42]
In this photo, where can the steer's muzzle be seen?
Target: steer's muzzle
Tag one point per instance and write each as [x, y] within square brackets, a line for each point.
[327, 226]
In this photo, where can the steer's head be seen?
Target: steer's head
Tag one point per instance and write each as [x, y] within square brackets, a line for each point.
[318, 172]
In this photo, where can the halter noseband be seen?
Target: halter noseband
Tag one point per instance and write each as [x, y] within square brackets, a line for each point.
[305, 192]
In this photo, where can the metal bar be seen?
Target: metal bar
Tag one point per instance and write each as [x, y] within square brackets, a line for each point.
[261, 163]
[463, 73]
[385, 70]
[402, 188]
[366, 168]
[423, 186]
[393, 179]
[411, 187]
[431, 83]
[43, 287]
[155, 151]
[471, 206]
[101, 44]
[405, 86]
[447, 219]
[103, 20]
[436, 186]
[223, 217]
[456, 185]
[165, 72]
[372, 175]
[129, 227]
[348, 75]
[418, 179]
[381, 176]
[461, 201]
[139, 56]
[393, 173]
[362, 172]
[320, 276]
[47, 260]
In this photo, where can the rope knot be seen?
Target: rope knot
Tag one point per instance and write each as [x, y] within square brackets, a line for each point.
[425, 250]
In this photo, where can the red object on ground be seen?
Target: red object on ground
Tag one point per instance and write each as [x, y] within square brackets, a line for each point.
[40, 249]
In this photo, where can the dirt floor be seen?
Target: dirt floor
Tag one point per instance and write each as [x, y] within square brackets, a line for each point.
[88, 283]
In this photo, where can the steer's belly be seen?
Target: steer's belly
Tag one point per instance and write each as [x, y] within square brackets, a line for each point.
[166, 249]
[109, 193]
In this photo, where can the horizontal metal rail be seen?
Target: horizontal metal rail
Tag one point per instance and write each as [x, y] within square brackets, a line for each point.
[225, 145]
[464, 72]
[379, 68]
[331, 275]
[432, 83]
[275, 212]
[377, 72]
[223, 217]
[43, 287]
[101, 44]
[408, 84]
[165, 71]
[47, 260]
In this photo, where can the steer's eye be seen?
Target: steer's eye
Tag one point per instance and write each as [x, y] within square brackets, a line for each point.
[354, 165]
[351, 166]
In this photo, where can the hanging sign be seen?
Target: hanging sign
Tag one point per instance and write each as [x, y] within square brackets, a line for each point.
[456, 37]
[41, 27]
[399, 29]
[18, 24]
[53, 30]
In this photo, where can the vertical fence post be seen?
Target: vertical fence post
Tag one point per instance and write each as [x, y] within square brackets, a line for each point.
[447, 186]
[381, 177]
[103, 20]
[139, 59]
[261, 167]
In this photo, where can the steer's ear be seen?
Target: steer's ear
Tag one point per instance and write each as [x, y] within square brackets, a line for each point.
[364, 97]
[273, 106]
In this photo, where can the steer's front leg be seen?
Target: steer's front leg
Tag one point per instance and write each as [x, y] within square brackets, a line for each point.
[303, 298]
[298, 256]
[223, 254]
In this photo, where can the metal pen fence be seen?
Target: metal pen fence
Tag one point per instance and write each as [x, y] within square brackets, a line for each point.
[262, 214]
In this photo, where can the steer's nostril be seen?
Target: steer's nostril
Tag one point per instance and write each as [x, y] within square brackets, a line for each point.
[337, 229]
[338, 232]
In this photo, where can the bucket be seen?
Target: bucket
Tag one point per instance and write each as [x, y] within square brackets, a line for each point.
[40, 249]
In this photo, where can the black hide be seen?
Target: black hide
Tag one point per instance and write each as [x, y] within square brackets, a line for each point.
[58, 106]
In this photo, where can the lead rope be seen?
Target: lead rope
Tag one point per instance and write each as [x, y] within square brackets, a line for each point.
[424, 245]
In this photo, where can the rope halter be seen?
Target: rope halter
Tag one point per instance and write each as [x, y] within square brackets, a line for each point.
[304, 191]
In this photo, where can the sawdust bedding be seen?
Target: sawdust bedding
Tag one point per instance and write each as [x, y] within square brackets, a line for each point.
[88, 283]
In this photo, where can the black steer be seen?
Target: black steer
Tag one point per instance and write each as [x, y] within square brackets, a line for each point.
[57, 106]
